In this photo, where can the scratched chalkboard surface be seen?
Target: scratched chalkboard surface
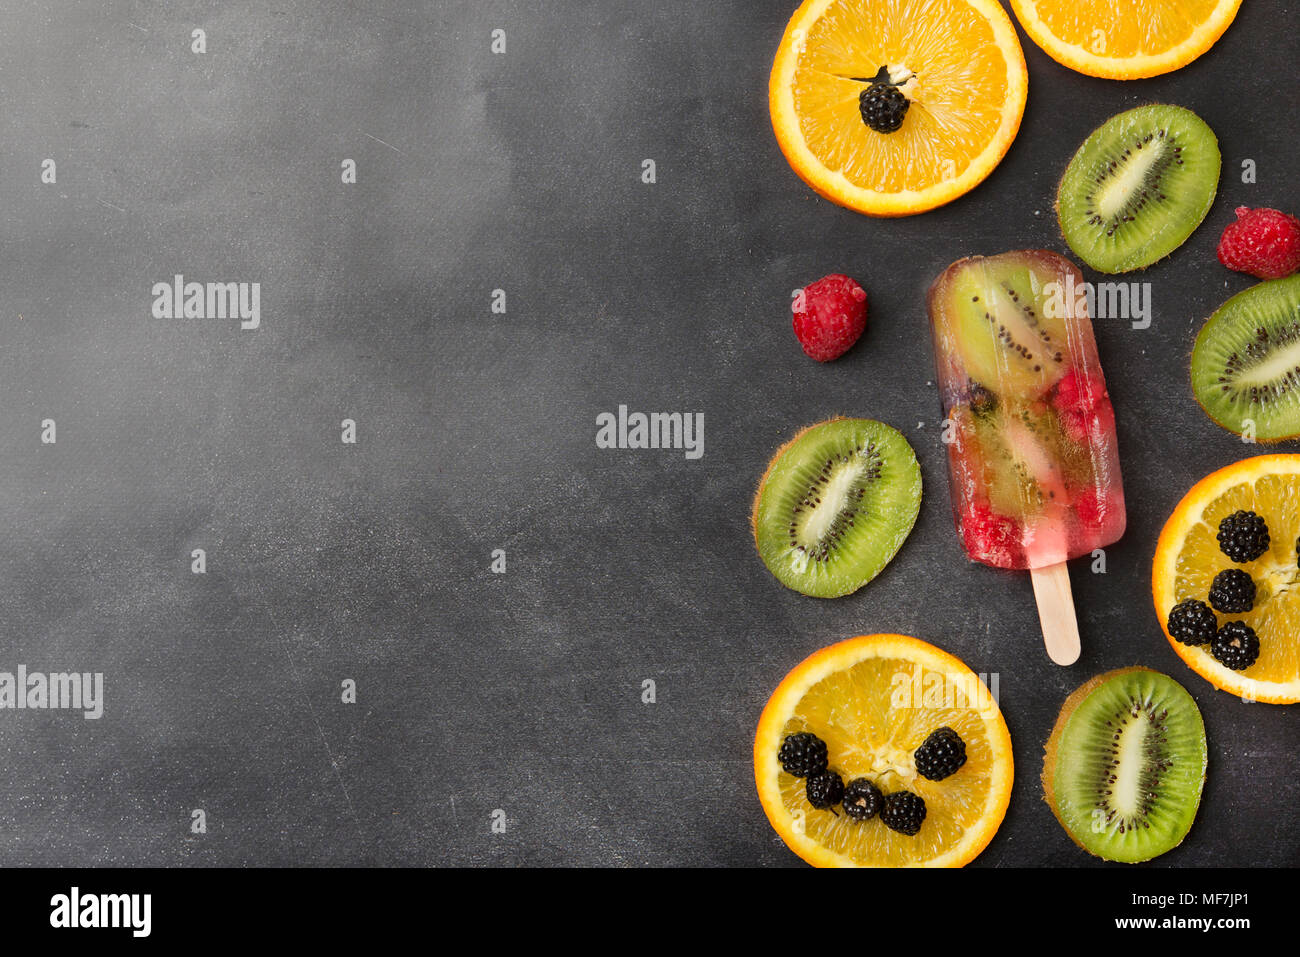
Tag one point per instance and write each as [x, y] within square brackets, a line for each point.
[310, 312]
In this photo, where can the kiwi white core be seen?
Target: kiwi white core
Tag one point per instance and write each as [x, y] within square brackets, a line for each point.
[1030, 458]
[1127, 789]
[1277, 366]
[1116, 193]
[837, 497]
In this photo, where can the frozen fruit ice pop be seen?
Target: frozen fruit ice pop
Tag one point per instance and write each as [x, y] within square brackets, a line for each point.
[1034, 467]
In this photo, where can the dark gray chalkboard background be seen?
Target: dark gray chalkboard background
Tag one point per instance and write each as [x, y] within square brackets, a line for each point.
[326, 561]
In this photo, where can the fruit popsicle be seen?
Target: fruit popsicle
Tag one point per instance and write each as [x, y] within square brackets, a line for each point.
[1033, 460]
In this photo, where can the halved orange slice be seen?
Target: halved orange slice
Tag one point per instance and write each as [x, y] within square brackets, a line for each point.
[1125, 39]
[1188, 557]
[957, 63]
[874, 700]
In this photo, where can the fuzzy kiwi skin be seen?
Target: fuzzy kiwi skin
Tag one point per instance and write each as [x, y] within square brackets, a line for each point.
[771, 464]
[1053, 741]
[1259, 439]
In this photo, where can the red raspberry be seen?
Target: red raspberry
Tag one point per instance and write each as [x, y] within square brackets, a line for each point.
[829, 316]
[1083, 406]
[1092, 507]
[1096, 510]
[1077, 392]
[992, 538]
[1262, 242]
[1091, 426]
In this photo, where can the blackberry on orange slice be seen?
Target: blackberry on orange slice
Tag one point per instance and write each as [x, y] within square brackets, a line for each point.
[892, 107]
[875, 700]
[1189, 559]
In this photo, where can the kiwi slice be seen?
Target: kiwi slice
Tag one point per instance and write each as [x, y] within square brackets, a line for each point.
[1246, 361]
[996, 314]
[1125, 764]
[1021, 444]
[1138, 187]
[835, 505]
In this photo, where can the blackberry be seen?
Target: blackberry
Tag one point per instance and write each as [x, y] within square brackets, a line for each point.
[980, 399]
[1243, 536]
[1297, 551]
[1236, 646]
[862, 799]
[824, 789]
[940, 755]
[903, 812]
[1193, 623]
[883, 105]
[803, 754]
[1233, 592]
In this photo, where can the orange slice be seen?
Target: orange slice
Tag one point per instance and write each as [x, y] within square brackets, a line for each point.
[874, 699]
[957, 61]
[1125, 39]
[1188, 557]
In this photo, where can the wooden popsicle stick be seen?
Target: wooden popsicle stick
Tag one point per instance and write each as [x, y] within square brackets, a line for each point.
[1056, 612]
